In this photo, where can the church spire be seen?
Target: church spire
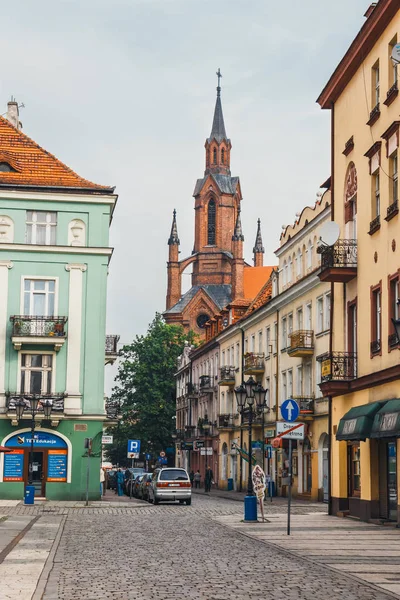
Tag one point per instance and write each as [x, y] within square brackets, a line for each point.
[173, 238]
[218, 132]
[258, 249]
[238, 234]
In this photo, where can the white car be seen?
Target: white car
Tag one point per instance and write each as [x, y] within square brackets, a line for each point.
[170, 484]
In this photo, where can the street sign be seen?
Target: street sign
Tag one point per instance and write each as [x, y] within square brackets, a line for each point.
[133, 454]
[268, 450]
[256, 445]
[206, 451]
[148, 456]
[269, 433]
[197, 444]
[162, 453]
[294, 431]
[134, 446]
[107, 439]
[290, 410]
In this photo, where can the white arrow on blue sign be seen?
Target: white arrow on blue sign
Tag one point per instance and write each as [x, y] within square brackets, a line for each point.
[290, 410]
[133, 445]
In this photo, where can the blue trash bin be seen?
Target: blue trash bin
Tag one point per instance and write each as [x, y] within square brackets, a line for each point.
[29, 497]
[250, 508]
[230, 485]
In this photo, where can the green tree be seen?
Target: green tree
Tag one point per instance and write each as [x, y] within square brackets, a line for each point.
[146, 389]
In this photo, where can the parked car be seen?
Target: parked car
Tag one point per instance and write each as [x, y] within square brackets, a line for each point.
[144, 486]
[170, 484]
[136, 486]
[111, 479]
[132, 474]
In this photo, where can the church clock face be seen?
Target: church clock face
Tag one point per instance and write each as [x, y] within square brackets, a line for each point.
[202, 320]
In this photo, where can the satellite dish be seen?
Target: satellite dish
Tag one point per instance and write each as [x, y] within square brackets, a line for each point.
[396, 54]
[329, 233]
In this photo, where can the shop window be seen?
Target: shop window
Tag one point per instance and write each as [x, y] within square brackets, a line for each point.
[354, 470]
[36, 373]
[41, 227]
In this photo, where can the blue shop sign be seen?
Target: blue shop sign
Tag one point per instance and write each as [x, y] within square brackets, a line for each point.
[41, 439]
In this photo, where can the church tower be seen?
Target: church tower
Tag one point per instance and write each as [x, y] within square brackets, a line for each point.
[218, 267]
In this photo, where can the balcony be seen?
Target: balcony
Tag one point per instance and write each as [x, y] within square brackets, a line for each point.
[192, 390]
[57, 409]
[391, 94]
[374, 115]
[338, 262]
[38, 330]
[301, 343]
[206, 384]
[113, 409]
[392, 210]
[374, 225]
[227, 376]
[337, 371]
[111, 349]
[225, 421]
[254, 364]
[306, 405]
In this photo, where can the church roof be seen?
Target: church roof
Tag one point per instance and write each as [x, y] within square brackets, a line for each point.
[32, 166]
[226, 184]
[220, 294]
[218, 132]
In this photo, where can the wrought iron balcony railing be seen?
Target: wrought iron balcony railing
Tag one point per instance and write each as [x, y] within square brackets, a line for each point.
[112, 345]
[57, 399]
[227, 375]
[376, 347]
[306, 404]
[254, 363]
[38, 326]
[393, 340]
[392, 210]
[225, 421]
[301, 343]
[342, 254]
[192, 390]
[113, 408]
[374, 225]
[205, 383]
[339, 366]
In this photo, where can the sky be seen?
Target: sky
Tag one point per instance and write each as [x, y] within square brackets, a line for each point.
[123, 92]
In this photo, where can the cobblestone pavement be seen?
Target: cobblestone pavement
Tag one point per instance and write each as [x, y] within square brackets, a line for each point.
[177, 552]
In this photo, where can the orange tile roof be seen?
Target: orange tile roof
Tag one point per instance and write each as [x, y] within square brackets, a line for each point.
[35, 167]
[254, 279]
[262, 298]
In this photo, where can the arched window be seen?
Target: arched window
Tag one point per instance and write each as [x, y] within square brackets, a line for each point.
[284, 274]
[290, 270]
[215, 156]
[211, 223]
[298, 263]
[223, 156]
[309, 254]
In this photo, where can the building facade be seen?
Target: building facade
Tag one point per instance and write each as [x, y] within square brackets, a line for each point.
[54, 258]
[361, 375]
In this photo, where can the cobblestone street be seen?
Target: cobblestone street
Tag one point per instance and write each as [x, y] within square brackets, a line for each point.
[140, 551]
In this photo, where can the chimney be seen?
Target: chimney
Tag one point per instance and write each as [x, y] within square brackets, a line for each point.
[370, 10]
[12, 113]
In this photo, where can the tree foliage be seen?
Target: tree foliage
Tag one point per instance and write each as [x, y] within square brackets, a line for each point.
[146, 389]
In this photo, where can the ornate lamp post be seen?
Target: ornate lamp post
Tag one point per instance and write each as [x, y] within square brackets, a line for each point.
[206, 428]
[33, 408]
[250, 393]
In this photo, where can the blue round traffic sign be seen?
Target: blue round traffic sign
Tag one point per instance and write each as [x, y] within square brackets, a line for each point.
[290, 410]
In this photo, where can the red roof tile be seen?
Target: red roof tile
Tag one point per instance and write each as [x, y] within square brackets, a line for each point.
[32, 166]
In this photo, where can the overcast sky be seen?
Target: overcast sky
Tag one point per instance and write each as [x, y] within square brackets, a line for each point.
[123, 92]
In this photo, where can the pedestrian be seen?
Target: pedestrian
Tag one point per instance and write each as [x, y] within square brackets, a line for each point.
[102, 482]
[197, 478]
[120, 482]
[208, 480]
[191, 477]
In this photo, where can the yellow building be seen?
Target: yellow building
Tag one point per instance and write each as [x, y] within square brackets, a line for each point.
[361, 373]
[277, 341]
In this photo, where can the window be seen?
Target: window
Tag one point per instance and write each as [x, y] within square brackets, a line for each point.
[376, 320]
[267, 341]
[299, 381]
[284, 333]
[375, 84]
[392, 65]
[290, 383]
[320, 314]
[299, 318]
[223, 359]
[290, 270]
[394, 309]
[298, 263]
[290, 324]
[393, 168]
[376, 195]
[41, 227]
[327, 312]
[309, 316]
[39, 297]
[223, 156]
[275, 340]
[246, 345]
[260, 342]
[284, 386]
[318, 376]
[354, 469]
[307, 380]
[6, 168]
[253, 343]
[237, 362]
[211, 223]
[36, 372]
[228, 356]
[284, 274]
[309, 254]
[215, 156]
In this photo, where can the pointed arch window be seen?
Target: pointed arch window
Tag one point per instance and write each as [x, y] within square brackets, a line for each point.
[223, 156]
[215, 156]
[211, 223]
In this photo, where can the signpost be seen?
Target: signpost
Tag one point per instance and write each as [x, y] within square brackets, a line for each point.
[88, 446]
[290, 411]
[133, 449]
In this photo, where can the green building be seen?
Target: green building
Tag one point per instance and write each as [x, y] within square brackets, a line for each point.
[54, 259]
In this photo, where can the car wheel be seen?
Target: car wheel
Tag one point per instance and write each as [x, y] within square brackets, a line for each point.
[188, 502]
[155, 500]
[181, 501]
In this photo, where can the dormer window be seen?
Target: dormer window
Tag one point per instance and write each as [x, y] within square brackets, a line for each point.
[6, 168]
[223, 156]
[215, 156]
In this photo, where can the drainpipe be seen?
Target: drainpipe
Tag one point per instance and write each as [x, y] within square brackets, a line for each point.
[330, 432]
[277, 396]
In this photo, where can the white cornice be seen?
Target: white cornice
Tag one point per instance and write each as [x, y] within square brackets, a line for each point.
[59, 197]
[304, 231]
[57, 249]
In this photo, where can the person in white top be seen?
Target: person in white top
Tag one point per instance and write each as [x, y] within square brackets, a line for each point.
[102, 482]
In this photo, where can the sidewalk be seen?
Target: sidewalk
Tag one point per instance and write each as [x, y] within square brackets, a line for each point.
[239, 497]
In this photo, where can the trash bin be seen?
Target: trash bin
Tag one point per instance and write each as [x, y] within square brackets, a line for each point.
[29, 497]
[230, 485]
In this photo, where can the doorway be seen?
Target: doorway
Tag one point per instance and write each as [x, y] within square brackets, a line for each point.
[307, 466]
[38, 471]
[388, 480]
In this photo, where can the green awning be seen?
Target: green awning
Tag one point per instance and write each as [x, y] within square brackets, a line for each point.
[357, 423]
[387, 420]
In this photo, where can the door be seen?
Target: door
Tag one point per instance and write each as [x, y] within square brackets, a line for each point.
[306, 466]
[38, 471]
[325, 470]
[392, 480]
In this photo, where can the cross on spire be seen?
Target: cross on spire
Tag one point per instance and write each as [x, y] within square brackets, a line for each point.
[219, 75]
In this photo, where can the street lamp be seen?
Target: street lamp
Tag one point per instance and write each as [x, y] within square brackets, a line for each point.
[250, 392]
[206, 429]
[20, 408]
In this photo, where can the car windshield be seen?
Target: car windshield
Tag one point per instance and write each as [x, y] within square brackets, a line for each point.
[173, 475]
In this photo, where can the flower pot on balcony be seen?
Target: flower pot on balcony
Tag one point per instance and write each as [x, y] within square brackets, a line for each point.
[59, 329]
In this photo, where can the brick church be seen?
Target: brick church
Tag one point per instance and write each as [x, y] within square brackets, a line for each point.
[220, 275]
